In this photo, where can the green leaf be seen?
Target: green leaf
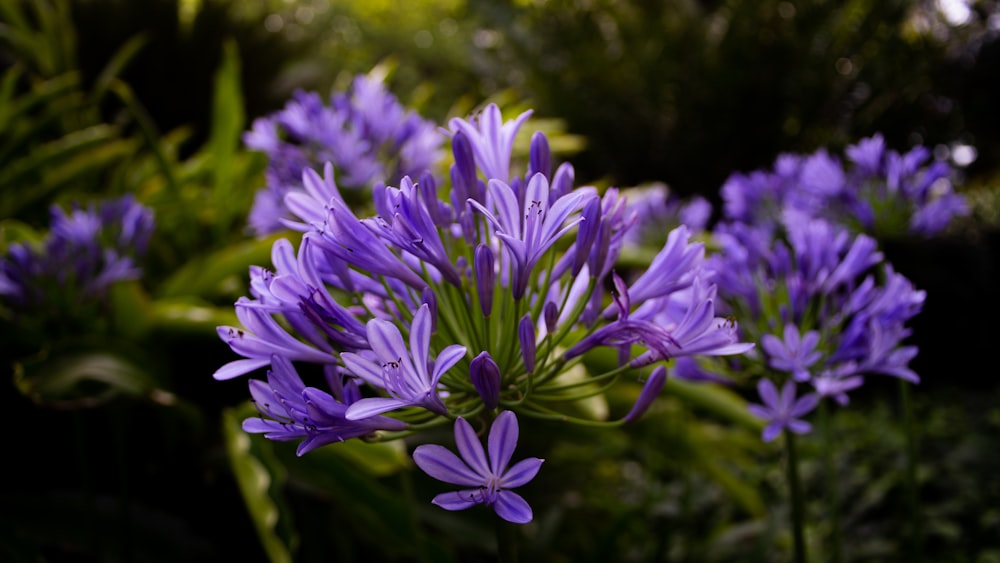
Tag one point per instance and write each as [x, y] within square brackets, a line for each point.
[207, 275]
[190, 317]
[257, 484]
[374, 458]
[82, 378]
[227, 127]
[717, 400]
[117, 64]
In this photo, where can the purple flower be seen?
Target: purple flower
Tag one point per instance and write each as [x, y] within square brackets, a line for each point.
[491, 140]
[782, 411]
[489, 479]
[365, 133]
[837, 382]
[297, 412]
[86, 251]
[529, 230]
[408, 376]
[794, 354]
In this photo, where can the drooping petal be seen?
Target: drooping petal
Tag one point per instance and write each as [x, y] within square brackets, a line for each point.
[458, 500]
[512, 507]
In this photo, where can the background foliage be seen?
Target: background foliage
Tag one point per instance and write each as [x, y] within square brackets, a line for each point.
[125, 449]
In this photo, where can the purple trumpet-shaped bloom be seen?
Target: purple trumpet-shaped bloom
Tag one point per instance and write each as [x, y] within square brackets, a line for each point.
[409, 376]
[489, 478]
[794, 354]
[491, 140]
[836, 382]
[782, 411]
[291, 411]
[649, 392]
[529, 230]
[485, 375]
[262, 338]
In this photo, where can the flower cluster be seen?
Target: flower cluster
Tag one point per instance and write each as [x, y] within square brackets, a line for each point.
[880, 192]
[658, 210]
[86, 251]
[824, 306]
[364, 132]
[476, 306]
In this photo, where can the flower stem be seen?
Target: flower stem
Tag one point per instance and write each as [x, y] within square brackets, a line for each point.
[912, 498]
[832, 489]
[795, 494]
[506, 541]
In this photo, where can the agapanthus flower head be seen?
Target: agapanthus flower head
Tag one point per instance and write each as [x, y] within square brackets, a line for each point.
[365, 132]
[87, 249]
[489, 476]
[475, 298]
[659, 211]
[873, 190]
[822, 302]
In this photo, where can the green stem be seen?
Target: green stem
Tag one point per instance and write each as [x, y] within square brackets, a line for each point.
[506, 541]
[914, 532]
[832, 489]
[795, 493]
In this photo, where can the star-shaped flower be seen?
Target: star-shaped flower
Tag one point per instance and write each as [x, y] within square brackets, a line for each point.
[783, 411]
[490, 479]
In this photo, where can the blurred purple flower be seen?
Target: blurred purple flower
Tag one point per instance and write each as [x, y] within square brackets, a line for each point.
[782, 411]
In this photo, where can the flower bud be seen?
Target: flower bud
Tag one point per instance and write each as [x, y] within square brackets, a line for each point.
[649, 392]
[485, 277]
[539, 155]
[485, 375]
[526, 333]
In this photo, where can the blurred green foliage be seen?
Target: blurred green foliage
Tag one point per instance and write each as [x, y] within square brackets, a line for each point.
[129, 450]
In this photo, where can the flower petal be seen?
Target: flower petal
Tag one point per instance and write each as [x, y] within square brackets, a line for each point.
[513, 508]
[440, 463]
[458, 500]
[502, 441]
[521, 473]
[471, 450]
[365, 408]
[237, 368]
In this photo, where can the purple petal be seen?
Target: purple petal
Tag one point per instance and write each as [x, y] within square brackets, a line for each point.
[445, 360]
[363, 368]
[237, 368]
[440, 463]
[458, 500]
[521, 473]
[471, 450]
[771, 431]
[799, 426]
[420, 340]
[365, 408]
[768, 393]
[502, 441]
[649, 392]
[512, 507]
